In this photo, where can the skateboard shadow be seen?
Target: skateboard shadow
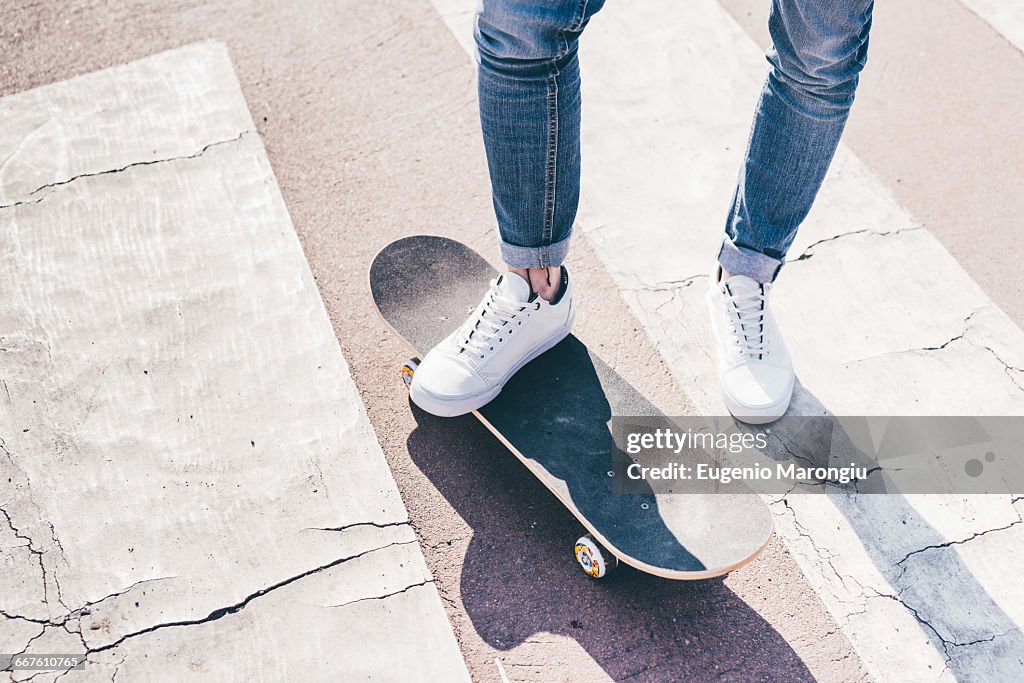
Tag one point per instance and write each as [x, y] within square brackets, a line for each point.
[570, 437]
[519, 580]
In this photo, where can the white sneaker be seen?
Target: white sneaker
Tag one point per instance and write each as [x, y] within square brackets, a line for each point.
[754, 368]
[507, 330]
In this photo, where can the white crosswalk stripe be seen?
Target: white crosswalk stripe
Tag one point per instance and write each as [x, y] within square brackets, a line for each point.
[186, 465]
[1005, 16]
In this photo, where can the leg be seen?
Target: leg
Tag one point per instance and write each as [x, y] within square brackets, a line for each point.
[818, 51]
[530, 114]
[819, 48]
[529, 87]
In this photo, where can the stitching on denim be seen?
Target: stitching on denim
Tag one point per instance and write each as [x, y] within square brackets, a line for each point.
[551, 179]
[551, 170]
[581, 12]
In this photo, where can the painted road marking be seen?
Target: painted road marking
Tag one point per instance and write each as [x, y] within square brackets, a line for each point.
[1005, 17]
[183, 448]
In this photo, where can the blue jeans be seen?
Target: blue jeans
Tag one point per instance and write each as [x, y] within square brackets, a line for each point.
[529, 85]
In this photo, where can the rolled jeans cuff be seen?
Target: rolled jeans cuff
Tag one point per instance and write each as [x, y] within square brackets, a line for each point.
[549, 256]
[737, 260]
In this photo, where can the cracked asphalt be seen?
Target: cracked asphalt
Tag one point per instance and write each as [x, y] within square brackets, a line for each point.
[468, 502]
[369, 122]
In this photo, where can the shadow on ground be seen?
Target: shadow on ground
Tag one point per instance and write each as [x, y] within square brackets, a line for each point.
[519, 577]
[964, 623]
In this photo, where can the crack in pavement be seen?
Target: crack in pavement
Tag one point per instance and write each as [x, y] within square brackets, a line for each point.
[792, 453]
[21, 202]
[807, 253]
[852, 486]
[827, 559]
[64, 621]
[19, 617]
[673, 287]
[238, 606]
[353, 525]
[121, 169]
[38, 554]
[32, 640]
[1007, 368]
[947, 544]
[948, 644]
[662, 285]
[962, 336]
[386, 595]
[31, 546]
[940, 347]
[83, 610]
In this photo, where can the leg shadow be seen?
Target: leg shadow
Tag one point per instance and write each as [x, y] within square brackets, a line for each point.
[963, 622]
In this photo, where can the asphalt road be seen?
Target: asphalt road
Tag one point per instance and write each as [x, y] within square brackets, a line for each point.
[369, 119]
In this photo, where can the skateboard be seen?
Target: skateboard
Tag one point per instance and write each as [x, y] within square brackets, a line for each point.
[425, 286]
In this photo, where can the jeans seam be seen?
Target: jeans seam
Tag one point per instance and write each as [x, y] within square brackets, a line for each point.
[581, 12]
[551, 181]
[552, 165]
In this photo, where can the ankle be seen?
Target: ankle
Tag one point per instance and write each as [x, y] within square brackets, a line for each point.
[545, 282]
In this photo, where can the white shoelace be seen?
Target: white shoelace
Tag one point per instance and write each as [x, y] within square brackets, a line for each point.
[747, 311]
[491, 323]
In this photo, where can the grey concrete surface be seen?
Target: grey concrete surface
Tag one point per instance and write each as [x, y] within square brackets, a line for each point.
[189, 485]
[369, 119]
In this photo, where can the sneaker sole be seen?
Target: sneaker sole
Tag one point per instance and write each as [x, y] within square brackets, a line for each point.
[755, 416]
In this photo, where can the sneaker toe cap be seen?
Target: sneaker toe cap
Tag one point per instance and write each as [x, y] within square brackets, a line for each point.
[447, 377]
[759, 388]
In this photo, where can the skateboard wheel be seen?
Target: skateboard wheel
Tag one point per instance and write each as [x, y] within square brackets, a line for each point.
[595, 561]
[408, 370]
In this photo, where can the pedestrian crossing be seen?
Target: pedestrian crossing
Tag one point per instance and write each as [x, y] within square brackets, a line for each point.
[152, 174]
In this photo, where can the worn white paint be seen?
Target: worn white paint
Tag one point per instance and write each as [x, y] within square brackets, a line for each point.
[179, 430]
[669, 90]
[1005, 16]
[459, 15]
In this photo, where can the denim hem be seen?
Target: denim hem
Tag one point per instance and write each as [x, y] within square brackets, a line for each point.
[738, 260]
[549, 256]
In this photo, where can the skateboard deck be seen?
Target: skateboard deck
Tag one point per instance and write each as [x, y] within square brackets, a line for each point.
[425, 286]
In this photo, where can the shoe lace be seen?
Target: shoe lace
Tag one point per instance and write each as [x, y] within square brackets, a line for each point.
[747, 318]
[490, 322]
